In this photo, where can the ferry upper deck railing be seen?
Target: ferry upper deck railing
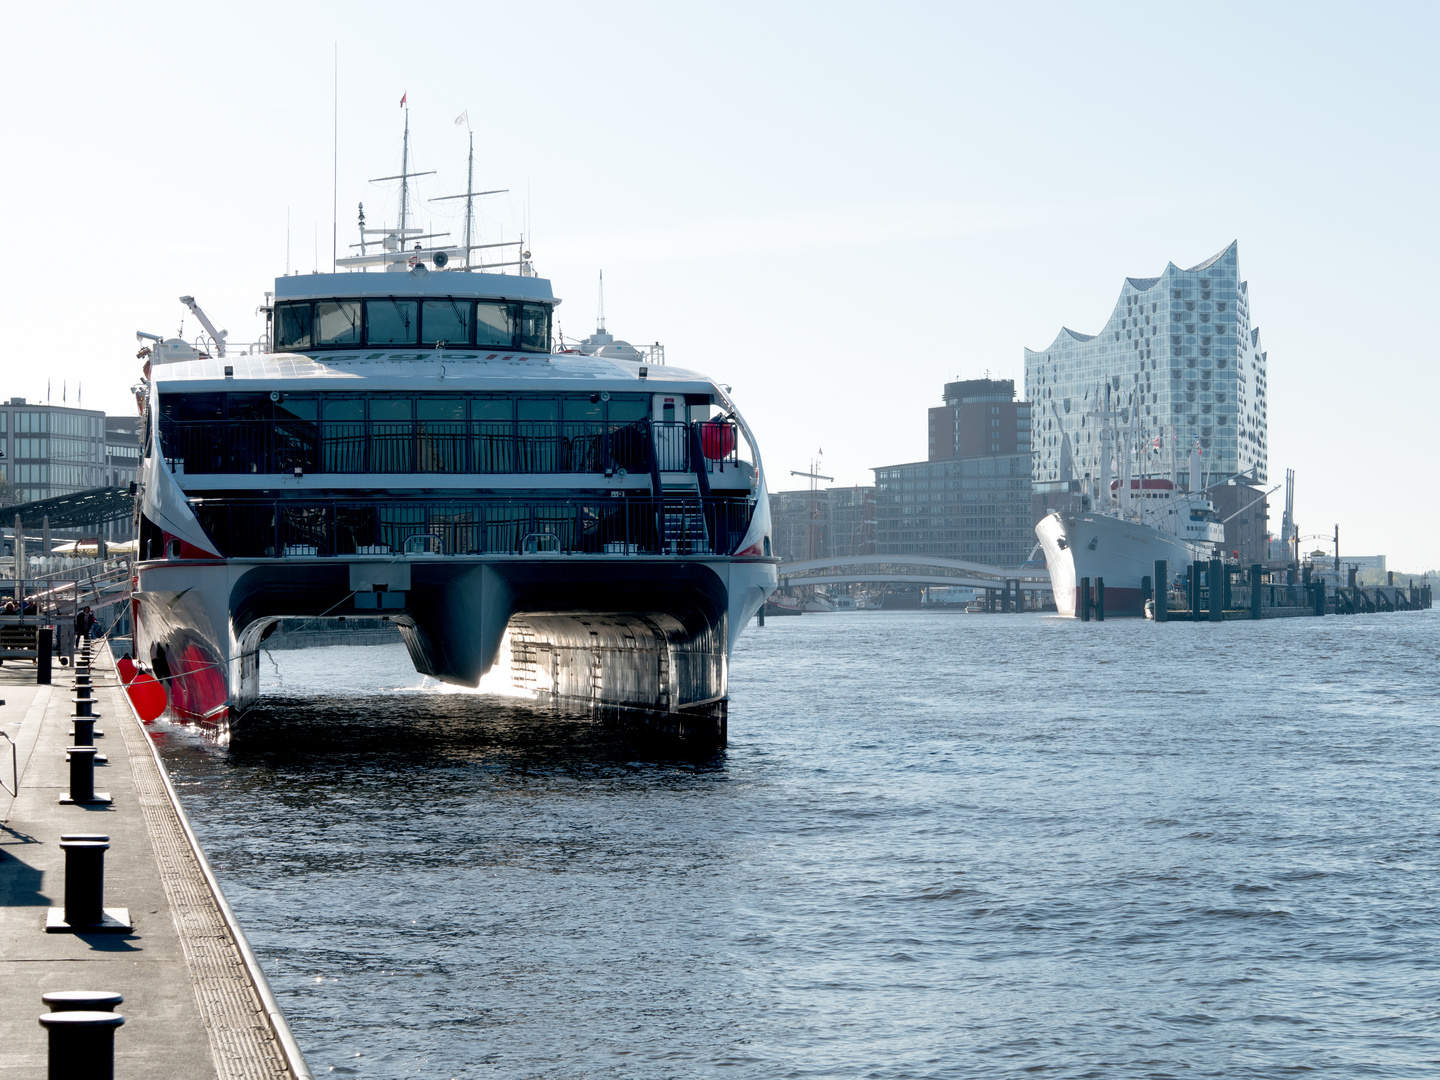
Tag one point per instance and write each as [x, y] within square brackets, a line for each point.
[229, 447]
[592, 525]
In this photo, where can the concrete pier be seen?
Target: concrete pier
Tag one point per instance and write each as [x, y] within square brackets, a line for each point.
[195, 1003]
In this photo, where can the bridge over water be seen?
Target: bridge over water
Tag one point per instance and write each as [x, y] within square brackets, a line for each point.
[911, 570]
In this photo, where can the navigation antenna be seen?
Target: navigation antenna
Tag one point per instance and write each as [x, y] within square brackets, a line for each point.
[600, 309]
[470, 196]
[404, 178]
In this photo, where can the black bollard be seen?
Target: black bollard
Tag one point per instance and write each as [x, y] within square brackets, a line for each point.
[44, 640]
[82, 1000]
[84, 691]
[82, 707]
[1216, 581]
[82, 1044]
[84, 911]
[1162, 590]
[1084, 599]
[1099, 599]
[82, 778]
[1255, 589]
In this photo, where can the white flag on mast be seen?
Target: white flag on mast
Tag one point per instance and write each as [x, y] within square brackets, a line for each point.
[463, 118]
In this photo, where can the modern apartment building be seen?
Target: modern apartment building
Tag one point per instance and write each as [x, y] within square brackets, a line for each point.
[1181, 355]
[976, 509]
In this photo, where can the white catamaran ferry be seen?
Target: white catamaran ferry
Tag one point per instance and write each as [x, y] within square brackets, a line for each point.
[410, 443]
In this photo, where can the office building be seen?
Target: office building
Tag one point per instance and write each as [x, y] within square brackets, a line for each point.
[980, 417]
[976, 509]
[822, 524]
[48, 450]
[1181, 354]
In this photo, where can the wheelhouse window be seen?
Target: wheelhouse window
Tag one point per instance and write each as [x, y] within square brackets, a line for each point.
[391, 322]
[446, 322]
[302, 325]
[294, 324]
[534, 327]
[337, 322]
[494, 325]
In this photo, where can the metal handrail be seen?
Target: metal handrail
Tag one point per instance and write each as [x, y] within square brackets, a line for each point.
[14, 786]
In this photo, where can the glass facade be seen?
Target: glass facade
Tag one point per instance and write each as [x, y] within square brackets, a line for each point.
[975, 509]
[49, 450]
[1180, 354]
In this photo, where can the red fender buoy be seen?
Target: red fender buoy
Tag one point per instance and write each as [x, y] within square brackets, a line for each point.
[147, 695]
[125, 668]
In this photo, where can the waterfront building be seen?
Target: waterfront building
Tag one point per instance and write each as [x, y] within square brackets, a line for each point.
[1181, 351]
[49, 450]
[1245, 512]
[980, 417]
[976, 509]
[834, 522]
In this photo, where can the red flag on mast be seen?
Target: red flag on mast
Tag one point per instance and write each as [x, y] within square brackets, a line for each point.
[403, 97]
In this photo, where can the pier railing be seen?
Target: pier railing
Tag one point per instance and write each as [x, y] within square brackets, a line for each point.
[230, 447]
[590, 525]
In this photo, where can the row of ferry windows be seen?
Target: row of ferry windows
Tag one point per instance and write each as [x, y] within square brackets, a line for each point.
[393, 408]
[493, 324]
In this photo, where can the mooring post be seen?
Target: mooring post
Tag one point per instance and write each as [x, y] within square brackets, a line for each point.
[1255, 571]
[84, 733]
[44, 639]
[1099, 599]
[82, 1000]
[1318, 596]
[1215, 579]
[1162, 590]
[1084, 605]
[82, 1044]
[85, 880]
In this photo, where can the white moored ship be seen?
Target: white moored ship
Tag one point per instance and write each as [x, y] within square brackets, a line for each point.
[408, 444]
[1123, 527]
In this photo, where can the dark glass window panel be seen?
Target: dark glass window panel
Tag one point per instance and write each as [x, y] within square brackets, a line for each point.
[583, 409]
[248, 406]
[539, 409]
[337, 322]
[627, 408]
[494, 325]
[297, 407]
[352, 409]
[391, 322]
[535, 327]
[294, 323]
[492, 409]
[390, 408]
[433, 408]
[192, 406]
[446, 321]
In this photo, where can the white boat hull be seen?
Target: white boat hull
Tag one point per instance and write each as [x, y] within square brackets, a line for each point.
[1119, 552]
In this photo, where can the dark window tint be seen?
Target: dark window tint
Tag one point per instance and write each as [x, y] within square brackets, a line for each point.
[390, 409]
[539, 409]
[627, 408]
[391, 322]
[492, 409]
[346, 409]
[494, 325]
[446, 321]
[535, 327]
[432, 408]
[193, 406]
[293, 326]
[337, 322]
[584, 409]
[296, 407]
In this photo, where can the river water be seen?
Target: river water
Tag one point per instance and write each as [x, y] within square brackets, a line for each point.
[936, 846]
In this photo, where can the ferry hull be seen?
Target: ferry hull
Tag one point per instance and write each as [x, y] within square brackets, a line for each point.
[1119, 552]
[631, 632]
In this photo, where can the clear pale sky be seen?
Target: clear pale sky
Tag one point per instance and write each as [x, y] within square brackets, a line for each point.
[834, 208]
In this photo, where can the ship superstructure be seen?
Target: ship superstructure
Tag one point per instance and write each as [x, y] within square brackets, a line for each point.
[407, 443]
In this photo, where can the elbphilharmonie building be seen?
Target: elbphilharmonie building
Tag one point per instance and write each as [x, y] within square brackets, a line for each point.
[1181, 352]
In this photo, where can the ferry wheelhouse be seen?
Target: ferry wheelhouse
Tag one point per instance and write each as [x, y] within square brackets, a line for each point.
[411, 444]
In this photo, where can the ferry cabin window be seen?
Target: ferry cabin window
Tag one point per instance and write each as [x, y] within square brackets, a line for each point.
[293, 326]
[534, 327]
[345, 410]
[390, 410]
[495, 410]
[445, 322]
[432, 408]
[628, 408]
[494, 325]
[337, 322]
[583, 410]
[391, 322]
